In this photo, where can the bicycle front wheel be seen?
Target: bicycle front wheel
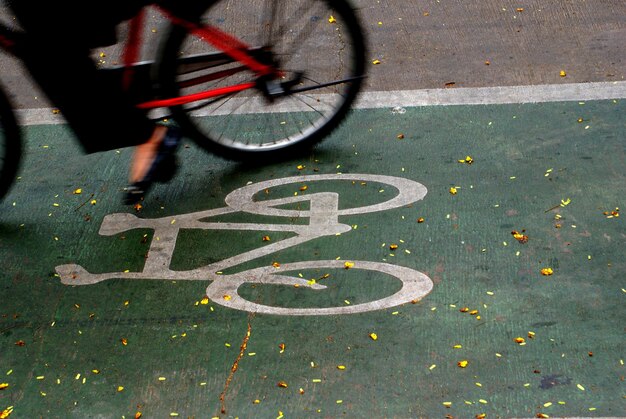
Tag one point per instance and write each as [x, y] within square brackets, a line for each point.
[10, 146]
[319, 50]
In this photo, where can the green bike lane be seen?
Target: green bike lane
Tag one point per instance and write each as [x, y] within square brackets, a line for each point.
[497, 335]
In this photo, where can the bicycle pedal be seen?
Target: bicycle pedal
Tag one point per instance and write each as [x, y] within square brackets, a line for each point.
[275, 88]
[271, 89]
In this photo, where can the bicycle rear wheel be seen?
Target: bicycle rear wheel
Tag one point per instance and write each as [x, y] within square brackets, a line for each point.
[318, 47]
[10, 146]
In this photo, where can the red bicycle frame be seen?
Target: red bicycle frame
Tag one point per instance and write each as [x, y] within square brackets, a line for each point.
[221, 40]
[228, 46]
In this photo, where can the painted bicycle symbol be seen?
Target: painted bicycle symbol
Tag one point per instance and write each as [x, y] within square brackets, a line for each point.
[323, 215]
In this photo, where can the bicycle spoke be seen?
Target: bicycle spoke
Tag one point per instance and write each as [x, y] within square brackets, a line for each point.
[271, 38]
[298, 42]
[301, 100]
[298, 13]
[220, 75]
[207, 103]
[229, 117]
[324, 85]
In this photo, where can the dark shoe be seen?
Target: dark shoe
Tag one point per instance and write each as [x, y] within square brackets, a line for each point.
[162, 169]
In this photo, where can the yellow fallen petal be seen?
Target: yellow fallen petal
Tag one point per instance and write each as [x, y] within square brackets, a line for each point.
[6, 412]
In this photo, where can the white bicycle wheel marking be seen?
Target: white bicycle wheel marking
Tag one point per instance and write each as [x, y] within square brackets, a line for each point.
[415, 285]
[323, 215]
[242, 198]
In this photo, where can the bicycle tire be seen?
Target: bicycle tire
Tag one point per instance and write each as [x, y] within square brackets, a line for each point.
[322, 39]
[10, 146]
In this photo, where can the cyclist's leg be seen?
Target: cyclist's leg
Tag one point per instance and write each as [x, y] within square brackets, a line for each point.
[97, 108]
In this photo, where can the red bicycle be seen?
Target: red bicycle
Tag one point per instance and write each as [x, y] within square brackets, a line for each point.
[245, 79]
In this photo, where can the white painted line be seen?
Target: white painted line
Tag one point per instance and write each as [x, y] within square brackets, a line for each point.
[432, 97]
[323, 215]
[494, 95]
[38, 116]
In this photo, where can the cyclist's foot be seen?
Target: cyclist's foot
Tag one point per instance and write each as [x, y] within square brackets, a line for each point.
[153, 161]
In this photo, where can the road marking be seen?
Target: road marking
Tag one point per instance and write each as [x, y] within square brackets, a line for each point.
[323, 214]
[429, 97]
[495, 95]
